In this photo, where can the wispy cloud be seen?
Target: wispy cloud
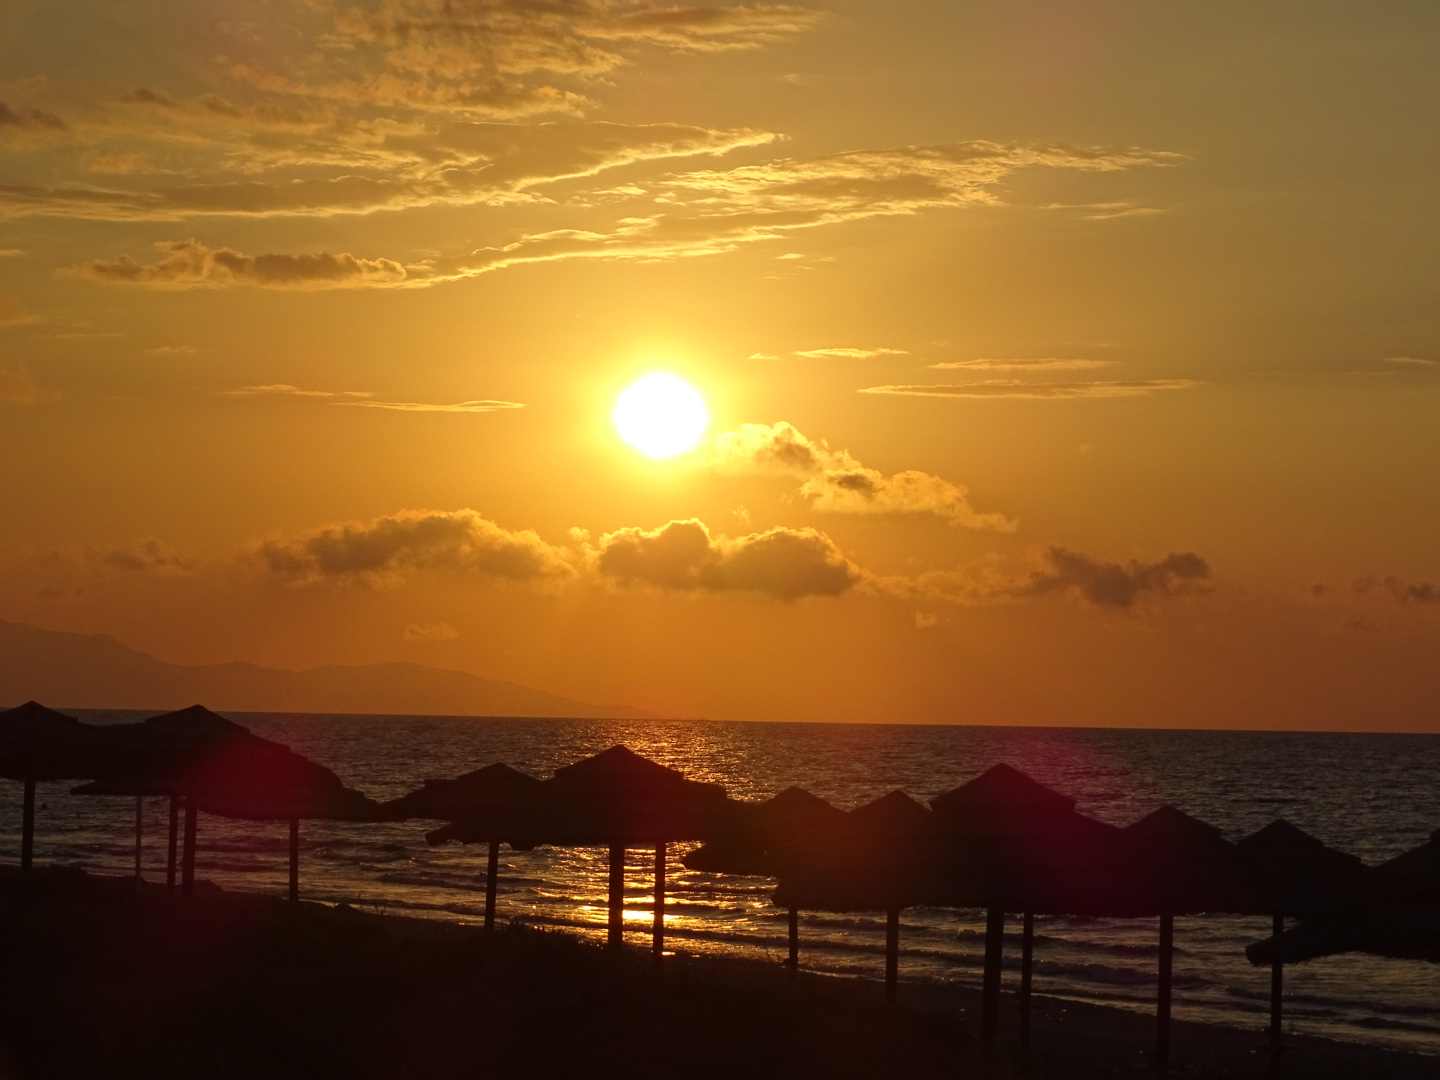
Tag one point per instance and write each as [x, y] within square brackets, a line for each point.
[849, 354]
[17, 385]
[834, 482]
[481, 406]
[1051, 363]
[1410, 361]
[191, 264]
[287, 390]
[1051, 391]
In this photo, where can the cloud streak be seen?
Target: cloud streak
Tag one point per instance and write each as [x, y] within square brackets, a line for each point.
[1054, 391]
[1048, 364]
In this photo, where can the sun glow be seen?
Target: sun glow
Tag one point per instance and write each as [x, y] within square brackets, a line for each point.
[661, 415]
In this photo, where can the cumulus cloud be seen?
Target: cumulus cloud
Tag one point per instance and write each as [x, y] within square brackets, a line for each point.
[147, 557]
[1111, 584]
[682, 556]
[1054, 390]
[834, 482]
[1403, 592]
[382, 552]
[850, 354]
[191, 264]
[17, 385]
[1051, 363]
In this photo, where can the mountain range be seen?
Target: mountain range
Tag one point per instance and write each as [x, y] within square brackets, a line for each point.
[94, 671]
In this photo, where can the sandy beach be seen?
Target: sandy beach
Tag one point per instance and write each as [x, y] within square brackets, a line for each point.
[104, 978]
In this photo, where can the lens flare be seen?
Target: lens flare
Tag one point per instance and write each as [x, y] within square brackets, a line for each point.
[661, 415]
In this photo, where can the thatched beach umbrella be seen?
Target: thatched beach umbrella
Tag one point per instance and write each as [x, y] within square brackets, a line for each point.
[37, 743]
[618, 799]
[881, 860]
[759, 840]
[489, 801]
[218, 766]
[1186, 866]
[1011, 844]
[1294, 874]
[1394, 911]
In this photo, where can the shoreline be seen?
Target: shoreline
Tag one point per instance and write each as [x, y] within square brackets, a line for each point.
[107, 977]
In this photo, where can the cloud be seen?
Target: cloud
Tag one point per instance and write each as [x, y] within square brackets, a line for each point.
[287, 390]
[173, 350]
[17, 385]
[481, 406]
[1110, 584]
[191, 264]
[710, 212]
[456, 163]
[850, 354]
[25, 124]
[1409, 361]
[1048, 364]
[1054, 391]
[147, 557]
[682, 556]
[381, 552]
[834, 482]
[12, 314]
[1403, 592]
[439, 631]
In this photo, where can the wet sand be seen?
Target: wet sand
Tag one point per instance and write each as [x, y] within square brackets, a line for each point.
[106, 979]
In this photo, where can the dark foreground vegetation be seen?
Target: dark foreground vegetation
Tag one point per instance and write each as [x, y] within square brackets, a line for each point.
[106, 978]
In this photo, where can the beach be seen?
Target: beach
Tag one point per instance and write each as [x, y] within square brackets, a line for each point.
[105, 977]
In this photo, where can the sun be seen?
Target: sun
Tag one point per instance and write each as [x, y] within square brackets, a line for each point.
[661, 415]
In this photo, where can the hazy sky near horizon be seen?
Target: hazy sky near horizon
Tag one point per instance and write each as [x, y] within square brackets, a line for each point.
[1066, 363]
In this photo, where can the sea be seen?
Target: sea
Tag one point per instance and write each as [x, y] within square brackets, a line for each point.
[1375, 795]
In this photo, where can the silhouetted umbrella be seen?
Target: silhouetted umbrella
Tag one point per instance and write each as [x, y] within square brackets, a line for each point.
[1011, 844]
[759, 838]
[488, 800]
[881, 860]
[1186, 866]
[618, 799]
[1294, 874]
[1394, 911]
[37, 743]
[218, 766]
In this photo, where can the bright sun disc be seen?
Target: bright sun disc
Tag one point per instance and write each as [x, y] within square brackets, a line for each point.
[661, 415]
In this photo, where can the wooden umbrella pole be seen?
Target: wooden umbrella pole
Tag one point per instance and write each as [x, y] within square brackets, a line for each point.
[173, 843]
[139, 833]
[294, 860]
[892, 954]
[657, 934]
[27, 827]
[492, 871]
[615, 934]
[1027, 971]
[1162, 1000]
[187, 854]
[793, 918]
[1277, 994]
[990, 984]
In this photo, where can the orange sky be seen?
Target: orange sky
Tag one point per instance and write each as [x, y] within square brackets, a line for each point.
[1067, 364]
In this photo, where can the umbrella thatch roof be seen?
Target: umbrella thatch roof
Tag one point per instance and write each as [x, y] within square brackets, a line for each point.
[614, 798]
[1295, 873]
[759, 835]
[480, 793]
[1011, 842]
[37, 743]
[225, 768]
[1393, 911]
[880, 860]
[1186, 865]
